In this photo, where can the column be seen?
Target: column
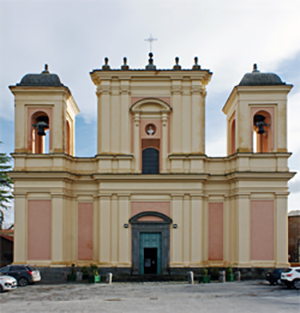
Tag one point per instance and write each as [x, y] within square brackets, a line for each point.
[21, 132]
[114, 230]
[202, 121]
[227, 229]
[137, 142]
[57, 225]
[177, 118]
[176, 253]
[103, 94]
[125, 117]
[196, 228]
[243, 229]
[124, 233]
[165, 142]
[196, 125]
[281, 230]
[105, 230]
[186, 216]
[115, 123]
[20, 234]
[280, 129]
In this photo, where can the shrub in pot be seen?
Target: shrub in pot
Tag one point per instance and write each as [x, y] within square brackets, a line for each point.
[204, 278]
[229, 274]
[85, 272]
[95, 277]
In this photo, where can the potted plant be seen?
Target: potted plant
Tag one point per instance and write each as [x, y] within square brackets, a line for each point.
[72, 277]
[214, 273]
[95, 277]
[85, 272]
[229, 274]
[204, 278]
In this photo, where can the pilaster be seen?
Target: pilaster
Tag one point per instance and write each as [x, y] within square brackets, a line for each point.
[176, 245]
[137, 142]
[124, 233]
[165, 142]
[281, 230]
[176, 128]
[243, 229]
[58, 226]
[20, 233]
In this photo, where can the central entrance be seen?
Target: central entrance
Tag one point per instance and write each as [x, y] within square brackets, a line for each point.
[150, 253]
[150, 243]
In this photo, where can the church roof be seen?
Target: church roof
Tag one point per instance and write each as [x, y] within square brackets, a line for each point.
[43, 79]
[256, 78]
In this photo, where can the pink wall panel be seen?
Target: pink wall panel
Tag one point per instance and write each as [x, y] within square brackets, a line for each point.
[262, 230]
[215, 231]
[160, 207]
[85, 231]
[39, 230]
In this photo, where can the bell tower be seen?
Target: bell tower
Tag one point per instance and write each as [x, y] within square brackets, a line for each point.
[257, 114]
[44, 115]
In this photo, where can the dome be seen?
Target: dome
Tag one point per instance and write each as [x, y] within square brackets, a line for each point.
[256, 78]
[42, 79]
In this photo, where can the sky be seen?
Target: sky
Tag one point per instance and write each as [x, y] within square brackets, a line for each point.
[74, 37]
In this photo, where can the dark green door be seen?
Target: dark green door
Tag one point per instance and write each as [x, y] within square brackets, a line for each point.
[150, 253]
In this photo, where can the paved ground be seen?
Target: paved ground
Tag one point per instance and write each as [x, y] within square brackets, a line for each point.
[251, 296]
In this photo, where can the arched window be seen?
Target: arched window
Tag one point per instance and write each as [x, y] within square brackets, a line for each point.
[150, 163]
[39, 124]
[262, 132]
[232, 146]
[68, 150]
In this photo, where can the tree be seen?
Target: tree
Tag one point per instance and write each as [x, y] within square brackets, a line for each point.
[6, 183]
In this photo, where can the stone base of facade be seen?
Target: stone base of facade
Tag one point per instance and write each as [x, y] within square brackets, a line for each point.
[54, 275]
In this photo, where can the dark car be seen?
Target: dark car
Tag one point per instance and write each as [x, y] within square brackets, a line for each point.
[273, 276]
[24, 274]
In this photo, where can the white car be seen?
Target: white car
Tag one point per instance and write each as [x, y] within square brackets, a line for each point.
[7, 283]
[291, 277]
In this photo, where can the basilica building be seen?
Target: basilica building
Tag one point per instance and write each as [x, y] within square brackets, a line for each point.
[151, 201]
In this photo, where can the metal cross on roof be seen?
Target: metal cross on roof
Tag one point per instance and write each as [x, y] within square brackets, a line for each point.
[151, 39]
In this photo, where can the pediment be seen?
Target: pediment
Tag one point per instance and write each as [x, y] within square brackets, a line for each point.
[150, 105]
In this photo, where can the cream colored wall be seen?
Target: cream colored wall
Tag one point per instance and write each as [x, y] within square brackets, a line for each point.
[188, 195]
[187, 93]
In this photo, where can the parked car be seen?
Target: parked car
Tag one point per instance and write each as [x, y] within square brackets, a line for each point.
[24, 274]
[291, 277]
[273, 276]
[7, 283]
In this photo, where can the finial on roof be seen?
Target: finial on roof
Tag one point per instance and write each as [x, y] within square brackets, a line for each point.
[255, 68]
[177, 66]
[150, 66]
[45, 71]
[196, 66]
[125, 67]
[106, 67]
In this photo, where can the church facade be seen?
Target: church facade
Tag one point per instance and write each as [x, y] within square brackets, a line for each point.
[151, 200]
